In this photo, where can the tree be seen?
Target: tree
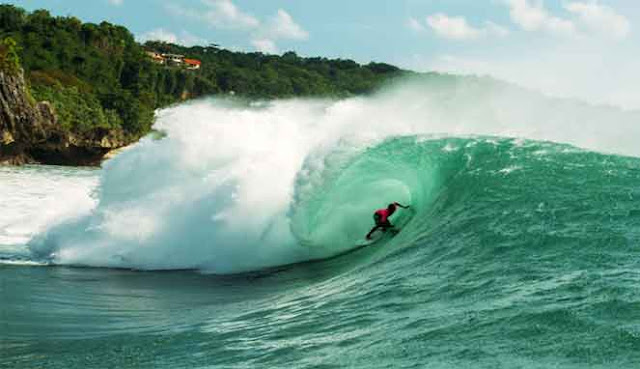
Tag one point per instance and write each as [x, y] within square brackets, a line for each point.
[11, 18]
[9, 60]
[99, 70]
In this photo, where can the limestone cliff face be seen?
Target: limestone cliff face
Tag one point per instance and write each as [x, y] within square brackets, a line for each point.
[30, 133]
[21, 124]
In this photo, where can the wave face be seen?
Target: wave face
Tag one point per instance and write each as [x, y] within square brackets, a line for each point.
[522, 251]
[235, 187]
[523, 254]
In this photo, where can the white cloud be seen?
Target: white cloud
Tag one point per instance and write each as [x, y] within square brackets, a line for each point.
[220, 14]
[284, 27]
[534, 17]
[580, 60]
[530, 18]
[161, 34]
[223, 14]
[115, 2]
[496, 29]
[415, 25]
[188, 39]
[280, 27]
[601, 19]
[457, 28]
[584, 19]
[265, 45]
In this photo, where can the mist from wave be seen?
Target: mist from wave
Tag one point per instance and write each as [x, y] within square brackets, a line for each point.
[236, 186]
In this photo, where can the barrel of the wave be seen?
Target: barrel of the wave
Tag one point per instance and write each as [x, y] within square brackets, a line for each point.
[333, 213]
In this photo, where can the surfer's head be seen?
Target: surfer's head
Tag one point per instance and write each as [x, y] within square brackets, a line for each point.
[391, 207]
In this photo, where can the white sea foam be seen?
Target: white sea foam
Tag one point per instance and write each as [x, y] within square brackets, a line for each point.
[217, 193]
[32, 198]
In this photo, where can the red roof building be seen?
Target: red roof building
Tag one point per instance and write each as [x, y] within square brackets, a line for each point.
[192, 63]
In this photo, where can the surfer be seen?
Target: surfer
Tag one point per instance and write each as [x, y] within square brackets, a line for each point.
[381, 217]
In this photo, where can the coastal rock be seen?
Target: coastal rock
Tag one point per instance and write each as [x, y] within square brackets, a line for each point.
[30, 132]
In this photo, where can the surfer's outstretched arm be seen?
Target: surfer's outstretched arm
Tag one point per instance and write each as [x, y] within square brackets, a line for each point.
[402, 206]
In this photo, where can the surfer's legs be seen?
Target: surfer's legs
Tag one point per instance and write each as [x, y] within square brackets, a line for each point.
[389, 227]
[384, 226]
[375, 228]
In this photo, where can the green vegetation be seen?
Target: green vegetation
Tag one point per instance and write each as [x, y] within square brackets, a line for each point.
[9, 60]
[98, 76]
[257, 75]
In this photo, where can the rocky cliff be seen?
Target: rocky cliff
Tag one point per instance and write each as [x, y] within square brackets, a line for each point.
[30, 133]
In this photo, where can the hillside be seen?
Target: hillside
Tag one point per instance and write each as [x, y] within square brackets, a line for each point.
[99, 80]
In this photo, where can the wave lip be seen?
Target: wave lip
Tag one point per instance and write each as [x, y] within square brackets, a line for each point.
[237, 187]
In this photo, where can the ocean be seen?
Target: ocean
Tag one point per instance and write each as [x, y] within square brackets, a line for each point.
[230, 240]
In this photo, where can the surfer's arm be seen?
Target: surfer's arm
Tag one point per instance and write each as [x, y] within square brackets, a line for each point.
[402, 206]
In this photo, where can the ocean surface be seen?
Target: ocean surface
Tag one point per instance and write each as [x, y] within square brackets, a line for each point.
[230, 241]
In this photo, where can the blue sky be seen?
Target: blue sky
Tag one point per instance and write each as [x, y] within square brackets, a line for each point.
[578, 48]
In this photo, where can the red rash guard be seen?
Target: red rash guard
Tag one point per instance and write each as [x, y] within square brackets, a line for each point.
[384, 215]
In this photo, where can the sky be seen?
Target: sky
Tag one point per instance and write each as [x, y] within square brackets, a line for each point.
[585, 49]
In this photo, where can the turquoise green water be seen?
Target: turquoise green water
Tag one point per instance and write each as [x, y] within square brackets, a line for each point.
[522, 254]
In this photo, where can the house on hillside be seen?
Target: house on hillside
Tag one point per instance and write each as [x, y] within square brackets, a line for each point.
[174, 60]
[192, 63]
[155, 57]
